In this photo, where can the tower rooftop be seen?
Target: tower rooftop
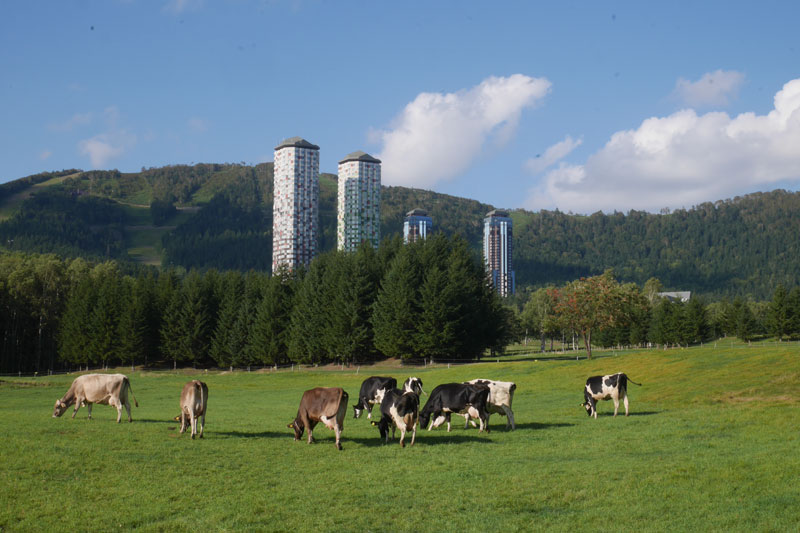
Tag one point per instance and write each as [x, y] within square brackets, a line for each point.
[359, 156]
[297, 142]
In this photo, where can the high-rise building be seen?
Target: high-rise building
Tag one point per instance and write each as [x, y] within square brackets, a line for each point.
[497, 251]
[295, 208]
[359, 201]
[417, 225]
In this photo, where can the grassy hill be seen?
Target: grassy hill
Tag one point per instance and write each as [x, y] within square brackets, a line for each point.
[711, 444]
[739, 247]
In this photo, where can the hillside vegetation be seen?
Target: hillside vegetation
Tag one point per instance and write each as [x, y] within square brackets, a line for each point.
[711, 445]
[744, 246]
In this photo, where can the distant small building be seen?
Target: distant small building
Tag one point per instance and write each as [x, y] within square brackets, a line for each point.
[680, 296]
[417, 225]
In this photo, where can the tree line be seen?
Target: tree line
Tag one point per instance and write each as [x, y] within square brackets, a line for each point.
[428, 299]
[599, 311]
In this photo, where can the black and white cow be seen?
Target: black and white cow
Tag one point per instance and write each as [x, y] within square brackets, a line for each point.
[372, 391]
[611, 387]
[455, 398]
[399, 409]
[413, 385]
[501, 396]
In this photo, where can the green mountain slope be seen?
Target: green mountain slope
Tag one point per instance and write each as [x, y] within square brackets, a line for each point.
[743, 246]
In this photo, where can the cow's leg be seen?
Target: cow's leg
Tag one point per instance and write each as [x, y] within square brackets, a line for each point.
[402, 436]
[447, 418]
[202, 423]
[625, 402]
[193, 420]
[510, 417]
[413, 432]
[128, 409]
[183, 421]
[89, 409]
[616, 404]
[369, 411]
[78, 401]
[337, 429]
[310, 427]
[466, 421]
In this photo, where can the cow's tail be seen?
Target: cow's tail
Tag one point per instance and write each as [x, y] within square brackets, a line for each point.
[202, 399]
[131, 390]
[629, 379]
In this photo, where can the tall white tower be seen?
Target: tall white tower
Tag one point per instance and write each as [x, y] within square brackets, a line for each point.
[295, 208]
[497, 251]
[359, 201]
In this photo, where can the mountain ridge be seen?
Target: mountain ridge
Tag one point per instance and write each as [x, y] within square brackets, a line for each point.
[740, 246]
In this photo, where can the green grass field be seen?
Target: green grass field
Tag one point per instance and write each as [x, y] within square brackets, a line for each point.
[712, 444]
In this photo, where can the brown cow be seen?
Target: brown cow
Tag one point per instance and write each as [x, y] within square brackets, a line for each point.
[107, 389]
[194, 400]
[326, 405]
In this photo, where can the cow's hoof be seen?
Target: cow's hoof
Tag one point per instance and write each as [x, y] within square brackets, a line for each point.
[339, 447]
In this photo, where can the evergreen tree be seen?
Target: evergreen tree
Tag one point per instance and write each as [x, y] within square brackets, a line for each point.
[270, 335]
[73, 341]
[779, 317]
[231, 301]
[132, 323]
[104, 321]
[396, 312]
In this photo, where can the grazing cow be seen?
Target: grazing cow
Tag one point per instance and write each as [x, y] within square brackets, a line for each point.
[413, 385]
[610, 387]
[501, 395]
[107, 389]
[372, 391]
[194, 400]
[399, 409]
[455, 398]
[326, 405]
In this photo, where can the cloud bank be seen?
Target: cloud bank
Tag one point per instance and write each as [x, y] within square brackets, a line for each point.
[438, 136]
[682, 160]
[713, 89]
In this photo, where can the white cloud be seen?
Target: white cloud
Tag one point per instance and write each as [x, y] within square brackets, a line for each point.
[438, 136]
[682, 160]
[713, 89]
[100, 150]
[78, 119]
[109, 145]
[552, 155]
[45, 155]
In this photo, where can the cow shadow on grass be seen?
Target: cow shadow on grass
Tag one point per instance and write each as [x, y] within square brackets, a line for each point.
[155, 421]
[632, 413]
[256, 434]
[542, 425]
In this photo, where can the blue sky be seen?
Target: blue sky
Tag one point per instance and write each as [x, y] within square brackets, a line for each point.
[580, 106]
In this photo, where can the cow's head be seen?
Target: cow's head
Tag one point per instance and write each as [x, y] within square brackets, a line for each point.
[588, 403]
[59, 409]
[298, 428]
[424, 418]
[413, 385]
[357, 410]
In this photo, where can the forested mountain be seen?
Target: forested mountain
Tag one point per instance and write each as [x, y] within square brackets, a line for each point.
[740, 247]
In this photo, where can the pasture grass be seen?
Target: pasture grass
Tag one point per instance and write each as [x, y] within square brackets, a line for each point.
[712, 443]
